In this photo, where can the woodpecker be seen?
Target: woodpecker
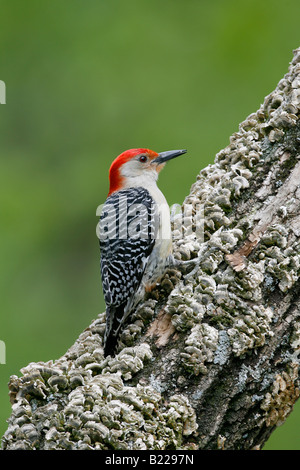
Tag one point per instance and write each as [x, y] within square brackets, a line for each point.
[134, 234]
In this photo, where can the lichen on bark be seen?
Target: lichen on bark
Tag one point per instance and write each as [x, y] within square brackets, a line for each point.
[210, 358]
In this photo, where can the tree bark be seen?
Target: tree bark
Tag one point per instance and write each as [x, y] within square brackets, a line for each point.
[209, 359]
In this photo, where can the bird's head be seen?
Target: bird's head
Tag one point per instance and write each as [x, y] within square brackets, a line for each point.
[138, 164]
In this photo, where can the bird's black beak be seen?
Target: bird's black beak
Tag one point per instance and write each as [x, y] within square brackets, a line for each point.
[165, 156]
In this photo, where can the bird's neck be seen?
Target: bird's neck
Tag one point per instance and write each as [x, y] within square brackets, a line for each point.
[149, 183]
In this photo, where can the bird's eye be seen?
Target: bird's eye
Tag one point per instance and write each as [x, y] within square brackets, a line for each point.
[143, 158]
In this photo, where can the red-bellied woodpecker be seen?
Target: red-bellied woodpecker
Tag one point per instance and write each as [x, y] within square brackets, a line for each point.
[134, 233]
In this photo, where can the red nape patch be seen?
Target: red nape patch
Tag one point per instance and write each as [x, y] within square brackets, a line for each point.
[115, 179]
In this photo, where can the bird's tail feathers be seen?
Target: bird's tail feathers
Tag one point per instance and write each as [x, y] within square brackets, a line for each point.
[114, 319]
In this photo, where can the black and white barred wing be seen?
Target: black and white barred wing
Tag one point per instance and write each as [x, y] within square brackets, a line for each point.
[127, 230]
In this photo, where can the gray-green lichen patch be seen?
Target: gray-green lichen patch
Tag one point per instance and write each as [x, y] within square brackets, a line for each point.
[129, 361]
[199, 349]
[278, 403]
[282, 266]
[102, 413]
[84, 403]
[223, 350]
[251, 330]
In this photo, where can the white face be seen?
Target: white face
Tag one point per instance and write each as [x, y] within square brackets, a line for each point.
[141, 166]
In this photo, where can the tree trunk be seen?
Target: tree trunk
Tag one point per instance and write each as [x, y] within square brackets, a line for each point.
[210, 359]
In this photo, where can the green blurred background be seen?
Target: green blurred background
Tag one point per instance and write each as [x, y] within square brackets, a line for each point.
[85, 81]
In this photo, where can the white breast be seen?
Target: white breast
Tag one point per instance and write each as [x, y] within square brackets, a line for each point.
[163, 245]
